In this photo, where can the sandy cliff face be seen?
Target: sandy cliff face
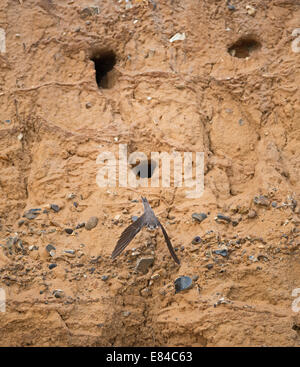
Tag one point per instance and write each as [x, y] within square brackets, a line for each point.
[230, 89]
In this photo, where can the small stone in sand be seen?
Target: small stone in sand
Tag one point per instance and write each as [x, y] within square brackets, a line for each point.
[199, 217]
[50, 248]
[91, 223]
[80, 225]
[222, 218]
[250, 9]
[222, 252]
[261, 200]
[72, 252]
[252, 214]
[58, 293]
[31, 213]
[143, 264]
[183, 283]
[196, 240]
[55, 208]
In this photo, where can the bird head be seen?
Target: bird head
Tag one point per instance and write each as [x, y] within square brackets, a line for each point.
[151, 227]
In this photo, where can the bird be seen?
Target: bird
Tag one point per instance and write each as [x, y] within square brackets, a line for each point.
[148, 219]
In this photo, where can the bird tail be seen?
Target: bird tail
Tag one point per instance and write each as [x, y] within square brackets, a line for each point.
[145, 203]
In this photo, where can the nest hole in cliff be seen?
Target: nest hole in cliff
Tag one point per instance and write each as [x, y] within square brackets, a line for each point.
[104, 63]
[244, 47]
[144, 169]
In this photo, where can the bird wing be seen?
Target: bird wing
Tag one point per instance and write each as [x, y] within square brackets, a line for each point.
[170, 247]
[127, 235]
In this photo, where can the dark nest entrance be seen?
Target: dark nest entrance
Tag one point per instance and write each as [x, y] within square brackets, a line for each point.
[145, 169]
[104, 63]
[244, 47]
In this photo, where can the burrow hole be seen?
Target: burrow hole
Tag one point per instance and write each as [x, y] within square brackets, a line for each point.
[104, 63]
[144, 169]
[244, 47]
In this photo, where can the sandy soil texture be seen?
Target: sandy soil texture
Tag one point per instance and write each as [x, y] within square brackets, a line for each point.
[228, 87]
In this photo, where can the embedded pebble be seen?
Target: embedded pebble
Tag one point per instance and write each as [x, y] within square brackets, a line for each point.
[91, 223]
[222, 218]
[196, 240]
[262, 257]
[13, 241]
[58, 293]
[69, 230]
[143, 264]
[80, 225]
[296, 327]
[89, 11]
[31, 213]
[221, 301]
[155, 276]
[135, 253]
[117, 218]
[199, 217]
[261, 200]
[252, 214]
[235, 222]
[71, 196]
[183, 283]
[104, 277]
[222, 252]
[95, 260]
[145, 292]
[250, 9]
[80, 254]
[55, 208]
[72, 252]
[52, 266]
[293, 204]
[177, 37]
[32, 247]
[50, 249]
[253, 258]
